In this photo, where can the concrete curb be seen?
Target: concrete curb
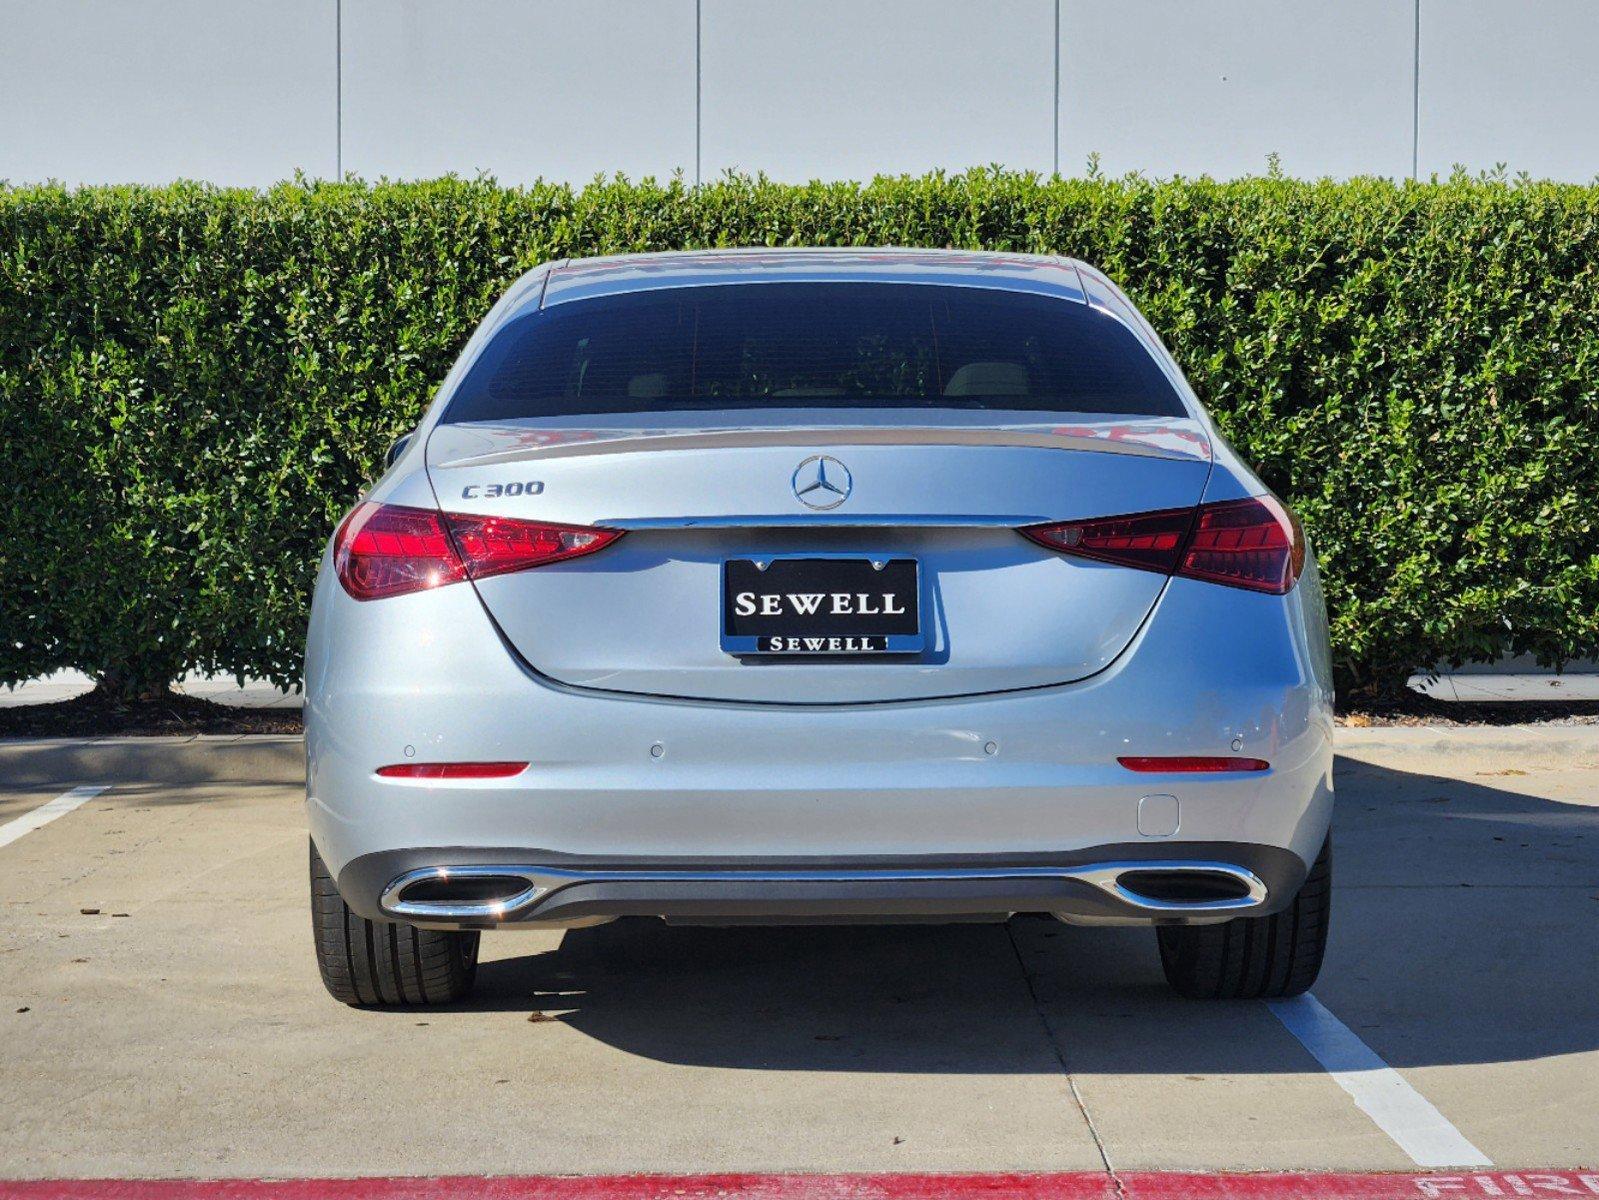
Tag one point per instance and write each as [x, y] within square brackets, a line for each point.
[1555, 743]
[160, 761]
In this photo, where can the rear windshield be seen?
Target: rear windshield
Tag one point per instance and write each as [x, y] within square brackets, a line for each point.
[813, 345]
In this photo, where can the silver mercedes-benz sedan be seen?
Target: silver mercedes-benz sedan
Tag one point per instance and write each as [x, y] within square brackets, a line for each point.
[817, 585]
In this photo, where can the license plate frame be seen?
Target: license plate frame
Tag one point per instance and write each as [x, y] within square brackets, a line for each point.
[886, 582]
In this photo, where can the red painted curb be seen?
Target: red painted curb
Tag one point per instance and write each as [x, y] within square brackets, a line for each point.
[1075, 1185]
[1476, 1185]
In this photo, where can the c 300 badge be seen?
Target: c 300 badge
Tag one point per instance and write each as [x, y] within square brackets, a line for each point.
[493, 491]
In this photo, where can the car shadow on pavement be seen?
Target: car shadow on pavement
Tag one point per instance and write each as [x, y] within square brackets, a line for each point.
[1464, 931]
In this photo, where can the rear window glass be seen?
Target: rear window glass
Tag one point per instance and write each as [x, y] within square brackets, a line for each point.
[813, 345]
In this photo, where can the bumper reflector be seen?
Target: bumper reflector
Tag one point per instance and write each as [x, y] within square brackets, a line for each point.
[1193, 763]
[453, 770]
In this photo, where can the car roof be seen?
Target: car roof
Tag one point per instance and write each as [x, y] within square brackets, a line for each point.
[586, 278]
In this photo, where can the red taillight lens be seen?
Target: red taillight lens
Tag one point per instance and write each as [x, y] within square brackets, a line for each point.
[1193, 763]
[389, 550]
[1151, 540]
[385, 550]
[1255, 543]
[453, 770]
[495, 545]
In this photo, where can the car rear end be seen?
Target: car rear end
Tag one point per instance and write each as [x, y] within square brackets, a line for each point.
[817, 587]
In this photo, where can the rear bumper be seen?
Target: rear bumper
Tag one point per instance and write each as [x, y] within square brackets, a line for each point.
[1024, 778]
[454, 888]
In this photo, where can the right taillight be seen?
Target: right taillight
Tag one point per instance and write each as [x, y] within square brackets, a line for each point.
[1254, 543]
[388, 549]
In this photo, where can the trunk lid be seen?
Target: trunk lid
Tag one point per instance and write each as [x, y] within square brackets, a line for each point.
[645, 615]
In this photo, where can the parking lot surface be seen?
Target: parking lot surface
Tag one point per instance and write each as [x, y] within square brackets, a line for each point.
[160, 1013]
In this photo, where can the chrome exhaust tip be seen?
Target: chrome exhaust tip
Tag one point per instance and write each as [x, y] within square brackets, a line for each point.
[461, 893]
[1180, 887]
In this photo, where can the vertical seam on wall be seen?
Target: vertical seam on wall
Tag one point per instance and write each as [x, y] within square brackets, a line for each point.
[338, 89]
[1415, 95]
[698, 23]
[1056, 144]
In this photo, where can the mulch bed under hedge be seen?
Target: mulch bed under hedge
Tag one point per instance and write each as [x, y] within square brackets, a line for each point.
[96, 715]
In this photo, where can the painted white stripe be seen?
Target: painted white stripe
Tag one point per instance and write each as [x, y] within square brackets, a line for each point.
[1380, 1092]
[45, 813]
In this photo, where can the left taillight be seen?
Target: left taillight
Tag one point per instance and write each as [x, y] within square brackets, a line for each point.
[1255, 543]
[389, 550]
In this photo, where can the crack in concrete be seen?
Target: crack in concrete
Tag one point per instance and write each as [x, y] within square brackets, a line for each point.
[1060, 1057]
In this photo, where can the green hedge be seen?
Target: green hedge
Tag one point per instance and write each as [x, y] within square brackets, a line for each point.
[195, 382]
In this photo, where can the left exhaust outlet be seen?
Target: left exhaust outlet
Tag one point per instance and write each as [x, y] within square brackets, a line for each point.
[459, 893]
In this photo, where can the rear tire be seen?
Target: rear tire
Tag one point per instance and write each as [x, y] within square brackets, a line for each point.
[382, 962]
[1250, 958]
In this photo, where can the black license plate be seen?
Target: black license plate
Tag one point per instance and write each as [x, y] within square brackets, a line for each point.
[821, 606]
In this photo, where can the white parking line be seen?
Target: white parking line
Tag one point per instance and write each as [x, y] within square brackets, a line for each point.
[1380, 1092]
[45, 813]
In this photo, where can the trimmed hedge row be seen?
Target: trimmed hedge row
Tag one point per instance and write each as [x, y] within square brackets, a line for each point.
[195, 383]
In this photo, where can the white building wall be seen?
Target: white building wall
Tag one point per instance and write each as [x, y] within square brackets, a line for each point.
[841, 89]
[144, 91]
[1177, 87]
[1513, 82]
[246, 91]
[518, 89]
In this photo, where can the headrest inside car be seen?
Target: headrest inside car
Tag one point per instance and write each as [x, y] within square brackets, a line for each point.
[988, 379]
[646, 387]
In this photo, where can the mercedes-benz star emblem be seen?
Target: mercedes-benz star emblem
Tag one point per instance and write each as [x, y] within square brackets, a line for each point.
[822, 482]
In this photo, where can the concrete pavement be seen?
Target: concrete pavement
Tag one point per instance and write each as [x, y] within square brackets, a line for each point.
[191, 1037]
